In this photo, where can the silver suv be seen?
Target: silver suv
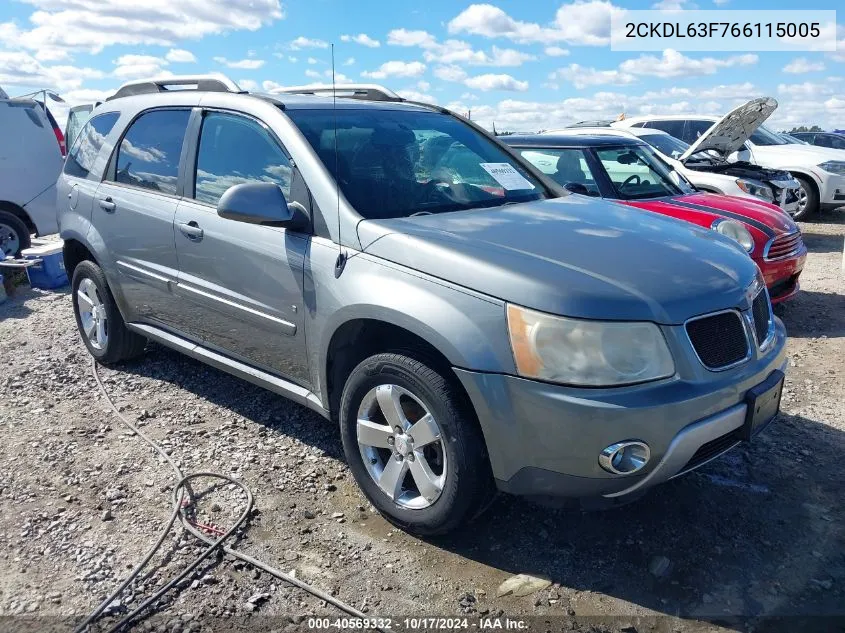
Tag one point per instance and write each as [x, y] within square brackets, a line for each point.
[469, 325]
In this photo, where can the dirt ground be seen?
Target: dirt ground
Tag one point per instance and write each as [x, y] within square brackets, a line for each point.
[752, 537]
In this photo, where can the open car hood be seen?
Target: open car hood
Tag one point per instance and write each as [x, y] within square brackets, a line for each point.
[729, 133]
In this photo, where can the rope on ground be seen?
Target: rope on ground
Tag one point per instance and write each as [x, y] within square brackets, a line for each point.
[181, 500]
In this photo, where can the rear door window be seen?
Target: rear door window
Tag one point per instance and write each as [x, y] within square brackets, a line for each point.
[675, 128]
[234, 150]
[148, 156]
[88, 144]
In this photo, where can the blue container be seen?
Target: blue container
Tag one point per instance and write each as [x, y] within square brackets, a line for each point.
[50, 271]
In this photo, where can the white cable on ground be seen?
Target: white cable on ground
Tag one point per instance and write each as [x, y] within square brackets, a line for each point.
[179, 494]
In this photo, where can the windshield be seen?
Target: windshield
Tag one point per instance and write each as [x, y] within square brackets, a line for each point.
[636, 173]
[764, 136]
[396, 163]
[666, 144]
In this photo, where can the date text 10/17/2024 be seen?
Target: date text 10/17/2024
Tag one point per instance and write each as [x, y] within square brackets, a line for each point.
[419, 624]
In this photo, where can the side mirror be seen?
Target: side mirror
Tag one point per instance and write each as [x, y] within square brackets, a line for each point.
[261, 203]
[576, 187]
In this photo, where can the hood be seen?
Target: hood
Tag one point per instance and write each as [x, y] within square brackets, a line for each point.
[727, 135]
[573, 256]
[765, 221]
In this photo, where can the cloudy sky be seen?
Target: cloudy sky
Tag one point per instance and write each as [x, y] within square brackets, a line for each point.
[523, 65]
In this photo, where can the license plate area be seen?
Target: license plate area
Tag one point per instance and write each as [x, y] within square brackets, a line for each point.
[763, 404]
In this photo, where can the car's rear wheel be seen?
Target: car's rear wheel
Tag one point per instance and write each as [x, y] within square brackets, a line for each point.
[808, 199]
[98, 319]
[14, 236]
[413, 445]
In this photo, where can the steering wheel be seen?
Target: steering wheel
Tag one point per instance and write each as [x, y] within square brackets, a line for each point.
[630, 180]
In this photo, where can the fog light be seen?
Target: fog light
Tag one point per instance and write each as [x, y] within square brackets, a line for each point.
[625, 458]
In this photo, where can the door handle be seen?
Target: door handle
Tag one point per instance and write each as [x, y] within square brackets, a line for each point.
[107, 204]
[191, 230]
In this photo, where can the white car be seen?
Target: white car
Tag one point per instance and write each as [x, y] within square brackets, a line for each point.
[707, 172]
[30, 163]
[740, 136]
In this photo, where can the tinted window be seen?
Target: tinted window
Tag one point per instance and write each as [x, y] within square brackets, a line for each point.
[88, 144]
[675, 128]
[637, 173]
[694, 129]
[149, 152]
[764, 136]
[665, 144]
[76, 118]
[395, 163]
[564, 166]
[234, 150]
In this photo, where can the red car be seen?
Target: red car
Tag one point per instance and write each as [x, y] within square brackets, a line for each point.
[628, 170]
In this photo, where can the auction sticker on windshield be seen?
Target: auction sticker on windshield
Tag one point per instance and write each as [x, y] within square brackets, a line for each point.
[507, 176]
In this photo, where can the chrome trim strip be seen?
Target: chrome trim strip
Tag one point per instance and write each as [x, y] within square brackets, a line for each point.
[744, 329]
[685, 444]
[793, 235]
[144, 276]
[246, 372]
[287, 327]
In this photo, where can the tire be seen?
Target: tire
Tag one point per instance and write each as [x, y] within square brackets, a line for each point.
[457, 457]
[14, 235]
[110, 341]
[811, 206]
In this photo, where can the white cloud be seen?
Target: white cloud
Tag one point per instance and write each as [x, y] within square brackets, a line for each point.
[137, 66]
[249, 85]
[313, 74]
[413, 95]
[556, 51]
[801, 65]
[808, 89]
[674, 64]
[60, 26]
[312, 60]
[582, 77]
[304, 42]
[18, 68]
[242, 64]
[674, 5]
[396, 69]
[349, 62]
[292, 59]
[492, 81]
[424, 86]
[581, 22]
[450, 73]
[404, 37]
[362, 38]
[180, 56]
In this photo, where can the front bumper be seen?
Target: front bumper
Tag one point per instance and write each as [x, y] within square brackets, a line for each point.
[545, 439]
[832, 190]
[781, 275]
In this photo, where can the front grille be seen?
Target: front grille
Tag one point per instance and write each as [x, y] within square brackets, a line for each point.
[785, 245]
[760, 310]
[718, 339]
[712, 449]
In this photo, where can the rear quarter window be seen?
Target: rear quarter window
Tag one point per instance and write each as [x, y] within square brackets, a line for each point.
[88, 144]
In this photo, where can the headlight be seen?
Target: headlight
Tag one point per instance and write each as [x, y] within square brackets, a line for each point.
[735, 231]
[588, 353]
[755, 189]
[834, 167]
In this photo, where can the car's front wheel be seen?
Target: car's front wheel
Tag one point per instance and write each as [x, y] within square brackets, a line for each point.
[98, 319]
[808, 199]
[413, 445]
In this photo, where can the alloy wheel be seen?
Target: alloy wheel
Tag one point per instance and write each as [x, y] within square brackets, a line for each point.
[10, 241]
[802, 201]
[402, 446]
[92, 314]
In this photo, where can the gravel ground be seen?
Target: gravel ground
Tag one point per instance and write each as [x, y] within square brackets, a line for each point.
[754, 535]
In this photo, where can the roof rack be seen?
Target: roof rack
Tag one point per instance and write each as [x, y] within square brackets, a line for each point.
[367, 92]
[209, 83]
